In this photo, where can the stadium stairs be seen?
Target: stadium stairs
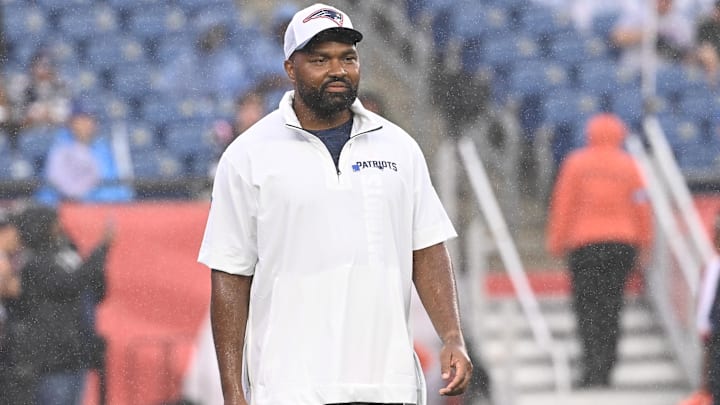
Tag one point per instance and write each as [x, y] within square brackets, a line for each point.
[523, 373]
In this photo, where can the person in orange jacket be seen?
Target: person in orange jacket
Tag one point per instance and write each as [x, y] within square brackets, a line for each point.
[600, 220]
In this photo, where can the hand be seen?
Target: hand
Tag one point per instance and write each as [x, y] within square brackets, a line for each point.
[455, 367]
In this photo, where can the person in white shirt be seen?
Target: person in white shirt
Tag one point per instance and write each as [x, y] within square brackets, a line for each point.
[675, 36]
[323, 218]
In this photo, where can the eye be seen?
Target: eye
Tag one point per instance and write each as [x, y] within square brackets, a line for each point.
[318, 60]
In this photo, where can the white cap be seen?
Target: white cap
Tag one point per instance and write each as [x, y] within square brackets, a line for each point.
[313, 20]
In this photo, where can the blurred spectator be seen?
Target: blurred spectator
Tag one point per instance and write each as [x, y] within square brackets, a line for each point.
[249, 108]
[80, 165]
[48, 349]
[41, 98]
[708, 43]
[674, 33]
[600, 219]
[8, 123]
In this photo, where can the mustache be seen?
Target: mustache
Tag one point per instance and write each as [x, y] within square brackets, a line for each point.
[335, 81]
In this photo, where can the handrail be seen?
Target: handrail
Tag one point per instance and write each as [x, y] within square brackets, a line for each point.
[678, 188]
[664, 214]
[510, 256]
[679, 327]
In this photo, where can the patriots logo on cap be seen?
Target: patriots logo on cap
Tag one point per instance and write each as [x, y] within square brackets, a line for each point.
[330, 14]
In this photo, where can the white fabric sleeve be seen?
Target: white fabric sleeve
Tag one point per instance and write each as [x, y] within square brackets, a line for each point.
[431, 224]
[230, 240]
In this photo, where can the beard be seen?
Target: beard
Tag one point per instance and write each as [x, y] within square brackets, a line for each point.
[325, 104]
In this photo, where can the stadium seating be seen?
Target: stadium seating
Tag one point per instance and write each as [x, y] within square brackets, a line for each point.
[33, 145]
[114, 51]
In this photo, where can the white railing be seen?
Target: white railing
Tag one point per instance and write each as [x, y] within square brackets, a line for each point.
[682, 248]
[494, 218]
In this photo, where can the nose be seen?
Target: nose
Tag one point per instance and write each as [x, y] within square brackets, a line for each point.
[337, 69]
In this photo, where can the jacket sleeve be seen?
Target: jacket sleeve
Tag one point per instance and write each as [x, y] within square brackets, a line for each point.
[560, 210]
[94, 266]
[45, 275]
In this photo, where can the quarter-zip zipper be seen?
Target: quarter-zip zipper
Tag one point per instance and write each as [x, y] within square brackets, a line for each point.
[320, 145]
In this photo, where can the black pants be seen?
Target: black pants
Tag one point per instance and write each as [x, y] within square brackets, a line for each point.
[599, 272]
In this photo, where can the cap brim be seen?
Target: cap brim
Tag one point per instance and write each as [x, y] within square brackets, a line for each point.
[339, 34]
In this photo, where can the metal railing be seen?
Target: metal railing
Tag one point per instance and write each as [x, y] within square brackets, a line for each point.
[490, 209]
[682, 248]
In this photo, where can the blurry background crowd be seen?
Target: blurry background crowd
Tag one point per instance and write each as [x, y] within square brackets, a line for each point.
[167, 84]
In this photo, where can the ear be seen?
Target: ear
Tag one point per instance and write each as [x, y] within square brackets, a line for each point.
[290, 69]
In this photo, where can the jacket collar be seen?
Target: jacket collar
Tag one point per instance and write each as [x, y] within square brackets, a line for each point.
[363, 120]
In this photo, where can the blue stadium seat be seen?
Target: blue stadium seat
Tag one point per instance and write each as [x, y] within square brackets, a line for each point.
[15, 167]
[212, 14]
[701, 158]
[191, 144]
[671, 80]
[536, 77]
[172, 46]
[34, 144]
[131, 4]
[155, 22]
[107, 51]
[604, 77]
[509, 50]
[565, 113]
[602, 24]
[65, 55]
[159, 110]
[115, 109]
[85, 22]
[540, 21]
[190, 139]
[156, 165]
[63, 4]
[24, 22]
[198, 5]
[195, 109]
[701, 105]
[131, 80]
[681, 131]
[141, 137]
[628, 104]
[569, 106]
[19, 55]
[573, 49]
[598, 77]
[485, 22]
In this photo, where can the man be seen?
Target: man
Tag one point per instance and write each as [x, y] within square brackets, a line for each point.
[674, 34]
[80, 165]
[49, 344]
[600, 218]
[322, 219]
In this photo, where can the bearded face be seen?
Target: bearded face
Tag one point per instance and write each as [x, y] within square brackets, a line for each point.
[326, 77]
[326, 103]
